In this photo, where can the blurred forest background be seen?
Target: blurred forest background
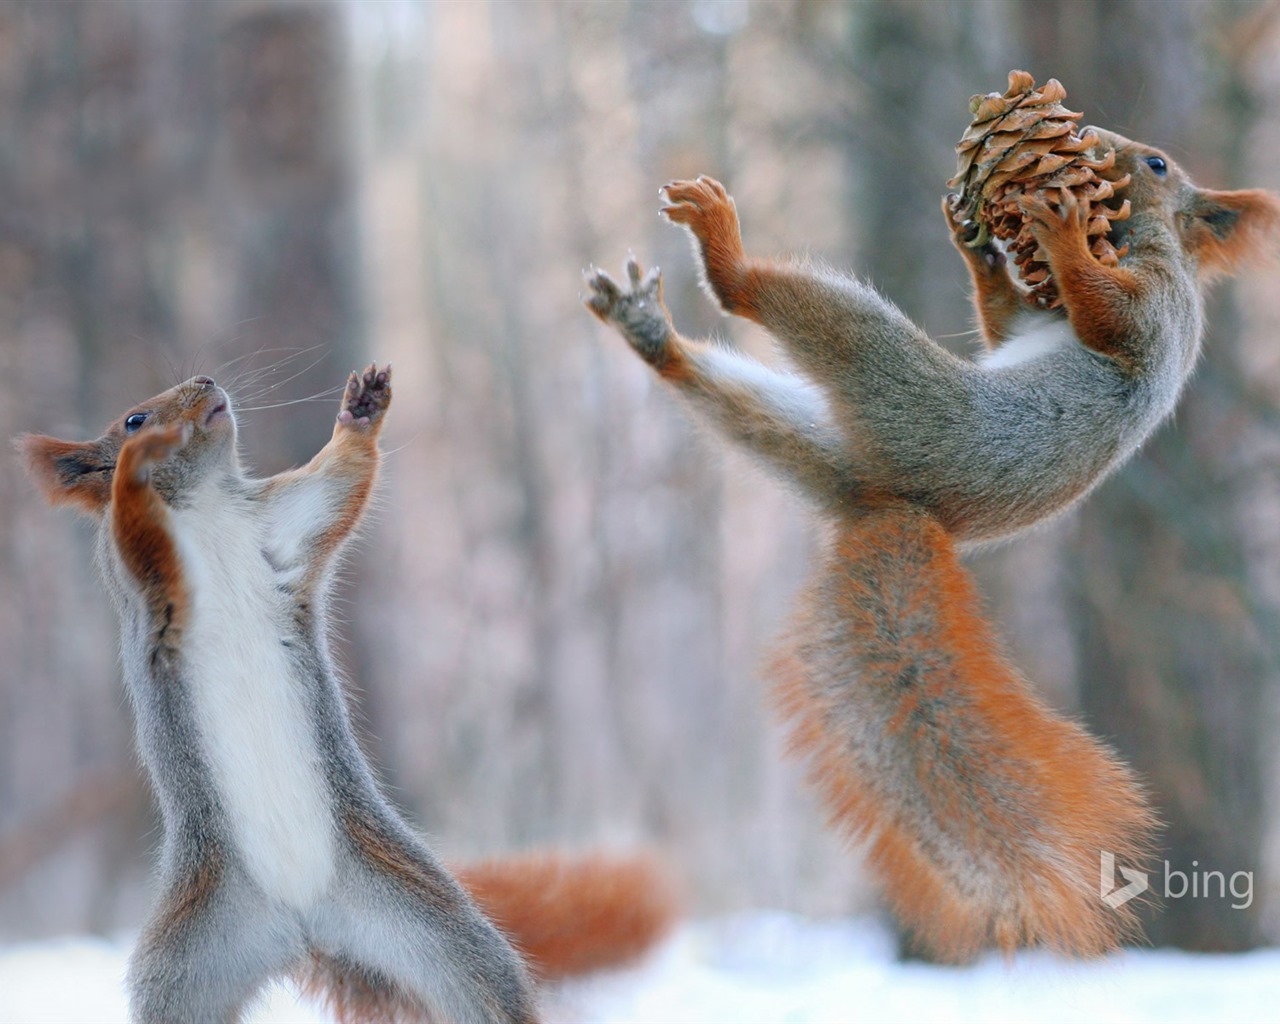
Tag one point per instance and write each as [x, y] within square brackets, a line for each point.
[557, 620]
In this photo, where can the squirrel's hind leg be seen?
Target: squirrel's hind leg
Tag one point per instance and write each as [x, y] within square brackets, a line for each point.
[403, 941]
[353, 993]
[211, 945]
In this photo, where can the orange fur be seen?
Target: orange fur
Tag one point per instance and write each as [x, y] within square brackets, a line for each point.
[995, 297]
[71, 473]
[1100, 301]
[674, 363]
[984, 811]
[1228, 230]
[709, 211]
[997, 303]
[140, 522]
[573, 915]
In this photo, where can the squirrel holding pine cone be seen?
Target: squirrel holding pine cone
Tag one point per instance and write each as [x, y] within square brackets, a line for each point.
[985, 812]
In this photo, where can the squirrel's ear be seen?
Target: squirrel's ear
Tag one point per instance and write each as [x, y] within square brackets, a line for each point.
[69, 472]
[1228, 229]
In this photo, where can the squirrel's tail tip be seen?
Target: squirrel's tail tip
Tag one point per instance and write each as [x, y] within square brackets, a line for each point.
[571, 914]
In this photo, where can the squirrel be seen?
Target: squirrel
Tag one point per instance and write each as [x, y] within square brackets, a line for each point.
[985, 812]
[280, 854]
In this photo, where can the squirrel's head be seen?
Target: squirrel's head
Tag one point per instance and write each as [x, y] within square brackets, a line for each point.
[79, 473]
[1219, 230]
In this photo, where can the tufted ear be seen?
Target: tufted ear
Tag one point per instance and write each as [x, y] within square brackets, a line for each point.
[69, 472]
[1227, 230]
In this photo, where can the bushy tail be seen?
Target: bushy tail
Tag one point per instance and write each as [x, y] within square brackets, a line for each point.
[985, 813]
[572, 915]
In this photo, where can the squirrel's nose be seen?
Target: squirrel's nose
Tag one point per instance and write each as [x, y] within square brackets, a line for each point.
[204, 382]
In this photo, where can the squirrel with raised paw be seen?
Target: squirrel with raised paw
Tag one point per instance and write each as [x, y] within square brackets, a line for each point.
[985, 813]
[280, 854]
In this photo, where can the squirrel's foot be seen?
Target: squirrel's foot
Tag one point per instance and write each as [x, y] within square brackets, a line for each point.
[709, 212]
[1066, 227]
[151, 446]
[367, 397]
[706, 209]
[637, 312]
[985, 255]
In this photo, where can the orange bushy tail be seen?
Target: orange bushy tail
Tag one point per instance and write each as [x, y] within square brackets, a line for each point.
[985, 813]
[572, 915]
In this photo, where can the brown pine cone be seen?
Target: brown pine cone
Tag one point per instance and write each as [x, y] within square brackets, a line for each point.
[1026, 141]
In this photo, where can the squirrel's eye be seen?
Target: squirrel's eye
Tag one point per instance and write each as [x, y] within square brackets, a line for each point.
[1157, 164]
[133, 422]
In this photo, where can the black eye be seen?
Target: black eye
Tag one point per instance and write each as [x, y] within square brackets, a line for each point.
[1157, 164]
[134, 421]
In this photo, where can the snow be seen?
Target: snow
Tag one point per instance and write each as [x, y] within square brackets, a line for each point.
[760, 967]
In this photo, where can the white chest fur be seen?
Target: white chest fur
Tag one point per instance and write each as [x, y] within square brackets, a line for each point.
[250, 705]
[1035, 335]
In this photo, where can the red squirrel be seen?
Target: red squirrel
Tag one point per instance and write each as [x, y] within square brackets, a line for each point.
[985, 812]
[281, 854]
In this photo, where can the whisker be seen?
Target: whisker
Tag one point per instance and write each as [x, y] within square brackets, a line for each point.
[294, 376]
[293, 350]
[252, 391]
[197, 357]
[171, 366]
[327, 393]
[251, 375]
[389, 453]
[310, 366]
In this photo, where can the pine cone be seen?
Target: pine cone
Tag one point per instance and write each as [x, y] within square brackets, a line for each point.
[1025, 141]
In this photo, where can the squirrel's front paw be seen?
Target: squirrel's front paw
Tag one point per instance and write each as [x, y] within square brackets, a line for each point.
[1067, 222]
[704, 206]
[637, 312]
[707, 210]
[367, 396]
[152, 445]
[973, 239]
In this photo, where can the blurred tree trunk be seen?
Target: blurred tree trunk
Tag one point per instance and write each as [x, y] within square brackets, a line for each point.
[908, 74]
[279, 210]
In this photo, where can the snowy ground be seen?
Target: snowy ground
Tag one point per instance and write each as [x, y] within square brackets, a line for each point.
[765, 968]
